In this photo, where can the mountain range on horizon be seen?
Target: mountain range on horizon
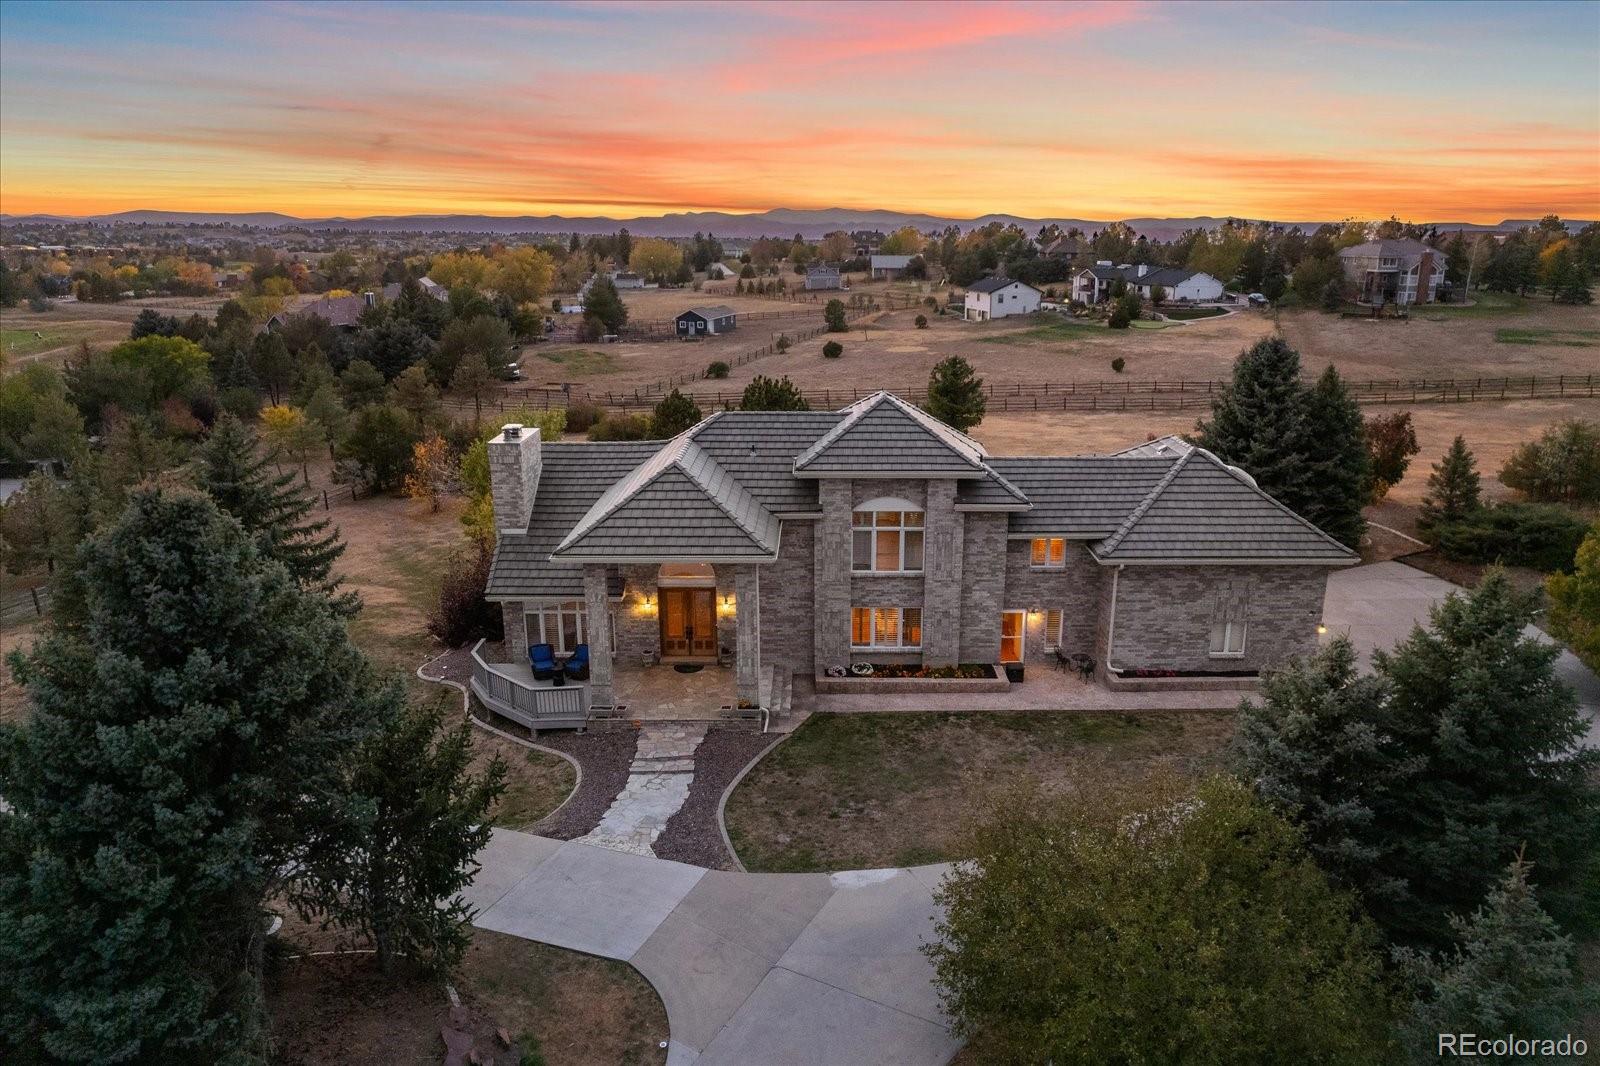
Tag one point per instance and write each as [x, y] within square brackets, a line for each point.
[785, 222]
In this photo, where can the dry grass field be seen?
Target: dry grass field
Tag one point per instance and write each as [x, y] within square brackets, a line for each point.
[54, 334]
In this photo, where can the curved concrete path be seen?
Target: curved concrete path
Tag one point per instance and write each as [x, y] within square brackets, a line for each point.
[754, 969]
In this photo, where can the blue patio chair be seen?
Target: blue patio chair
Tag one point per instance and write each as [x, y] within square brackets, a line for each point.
[542, 657]
[578, 666]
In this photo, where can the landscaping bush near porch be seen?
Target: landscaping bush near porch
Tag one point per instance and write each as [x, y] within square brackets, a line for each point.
[852, 791]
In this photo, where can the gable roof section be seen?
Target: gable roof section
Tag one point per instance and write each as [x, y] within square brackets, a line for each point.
[710, 312]
[1079, 496]
[1408, 247]
[758, 449]
[571, 478]
[886, 436]
[1203, 512]
[679, 503]
[996, 284]
[1171, 446]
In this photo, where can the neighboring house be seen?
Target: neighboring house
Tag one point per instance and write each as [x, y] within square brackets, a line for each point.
[822, 277]
[1069, 249]
[342, 312]
[1168, 447]
[434, 289]
[720, 272]
[1402, 271]
[627, 279]
[707, 321]
[1093, 284]
[889, 266]
[803, 542]
[998, 297]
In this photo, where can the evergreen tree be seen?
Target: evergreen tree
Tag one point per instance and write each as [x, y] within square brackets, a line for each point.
[1259, 424]
[1574, 287]
[231, 469]
[1497, 734]
[674, 414]
[178, 752]
[603, 304]
[1575, 601]
[361, 385]
[394, 872]
[1452, 488]
[955, 394]
[1512, 972]
[767, 394]
[833, 314]
[1314, 747]
[1338, 459]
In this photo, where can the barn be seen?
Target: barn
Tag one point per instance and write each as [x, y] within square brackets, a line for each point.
[706, 321]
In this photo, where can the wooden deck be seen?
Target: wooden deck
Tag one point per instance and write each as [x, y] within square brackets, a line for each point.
[509, 690]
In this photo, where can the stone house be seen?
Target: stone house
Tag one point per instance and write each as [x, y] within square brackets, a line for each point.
[793, 542]
[1400, 271]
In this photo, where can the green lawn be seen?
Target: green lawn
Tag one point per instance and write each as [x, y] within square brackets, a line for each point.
[1053, 329]
[1484, 305]
[582, 360]
[16, 343]
[1560, 338]
[866, 790]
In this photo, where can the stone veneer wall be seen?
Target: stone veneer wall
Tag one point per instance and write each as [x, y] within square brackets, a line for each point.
[1074, 590]
[787, 606]
[514, 614]
[983, 591]
[514, 467]
[1163, 615]
[831, 586]
[638, 626]
[943, 544]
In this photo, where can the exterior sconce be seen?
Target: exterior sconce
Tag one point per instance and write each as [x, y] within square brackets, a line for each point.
[647, 603]
[727, 603]
[1321, 629]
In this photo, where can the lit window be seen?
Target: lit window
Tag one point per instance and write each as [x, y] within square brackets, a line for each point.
[886, 628]
[560, 625]
[1049, 553]
[886, 541]
[1052, 629]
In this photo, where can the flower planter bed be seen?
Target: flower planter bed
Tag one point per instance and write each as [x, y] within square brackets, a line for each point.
[1176, 682]
[899, 677]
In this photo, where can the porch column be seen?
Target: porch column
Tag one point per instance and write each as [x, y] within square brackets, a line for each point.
[598, 633]
[747, 608]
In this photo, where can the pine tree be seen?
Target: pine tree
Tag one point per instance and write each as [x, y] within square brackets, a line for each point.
[1452, 488]
[178, 753]
[1259, 424]
[603, 303]
[1574, 286]
[394, 873]
[231, 469]
[1340, 464]
[1498, 739]
[769, 394]
[674, 414]
[1512, 972]
[1314, 748]
[955, 394]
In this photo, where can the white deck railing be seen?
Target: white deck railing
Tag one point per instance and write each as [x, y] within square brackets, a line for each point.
[511, 691]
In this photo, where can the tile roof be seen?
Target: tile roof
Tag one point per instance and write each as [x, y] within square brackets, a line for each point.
[759, 447]
[1169, 447]
[1399, 246]
[1202, 511]
[884, 435]
[678, 503]
[1084, 496]
[709, 312]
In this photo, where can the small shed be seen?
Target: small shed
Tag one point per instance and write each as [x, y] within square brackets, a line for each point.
[707, 321]
[822, 277]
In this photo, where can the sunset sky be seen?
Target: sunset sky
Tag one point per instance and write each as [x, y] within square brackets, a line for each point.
[1297, 112]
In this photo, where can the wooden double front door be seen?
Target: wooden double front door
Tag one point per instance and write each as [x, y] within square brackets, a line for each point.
[688, 623]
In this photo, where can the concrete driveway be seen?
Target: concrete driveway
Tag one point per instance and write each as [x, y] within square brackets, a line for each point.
[1378, 604]
[754, 969]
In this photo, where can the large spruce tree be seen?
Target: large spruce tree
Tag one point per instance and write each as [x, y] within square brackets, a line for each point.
[1340, 463]
[1259, 423]
[1452, 492]
[231, 469]
[181, 747]
[955, 394]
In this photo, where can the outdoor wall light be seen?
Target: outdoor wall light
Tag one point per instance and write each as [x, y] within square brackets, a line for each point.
[1321, 629]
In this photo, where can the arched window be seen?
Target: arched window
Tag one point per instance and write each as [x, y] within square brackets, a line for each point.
[886, 537]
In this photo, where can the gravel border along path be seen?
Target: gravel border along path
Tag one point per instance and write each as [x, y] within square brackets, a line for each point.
[692, 835]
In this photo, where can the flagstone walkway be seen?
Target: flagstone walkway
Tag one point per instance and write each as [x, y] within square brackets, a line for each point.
[658, 786]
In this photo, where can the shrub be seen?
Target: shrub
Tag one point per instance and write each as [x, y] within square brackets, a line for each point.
[1575, 601]
[832, 350]
[674, 414]
[1563, 464]
[783, 343]
[1119, 317]
[834, 313]
[717, 370]
[580, 416]
[1332, 297]
[1118, 363]
[241, 402]
[921, 321]
[461, 614]
[621, 427]
[767, 394]
[1391, 442]
[590, 329]
[1538, 535]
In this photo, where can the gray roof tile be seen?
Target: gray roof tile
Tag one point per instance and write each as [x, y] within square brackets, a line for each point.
[883, 434]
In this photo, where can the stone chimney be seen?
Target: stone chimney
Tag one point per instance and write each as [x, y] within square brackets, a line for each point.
[1144, 268]
[369, 298]
[514, 476]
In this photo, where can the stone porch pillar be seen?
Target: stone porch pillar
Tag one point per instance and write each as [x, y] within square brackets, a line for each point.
[598, 633]
[747, 649]
[515, 617]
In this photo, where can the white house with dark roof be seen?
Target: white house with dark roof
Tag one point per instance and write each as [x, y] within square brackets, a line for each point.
[999, 297]
[1094, 284]
[810, 543]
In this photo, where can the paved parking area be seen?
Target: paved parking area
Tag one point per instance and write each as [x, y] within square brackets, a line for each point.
[1377, 605]
[754, 969]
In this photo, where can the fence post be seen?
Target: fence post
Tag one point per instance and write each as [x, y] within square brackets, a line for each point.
[36, 608]
[326, 506]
